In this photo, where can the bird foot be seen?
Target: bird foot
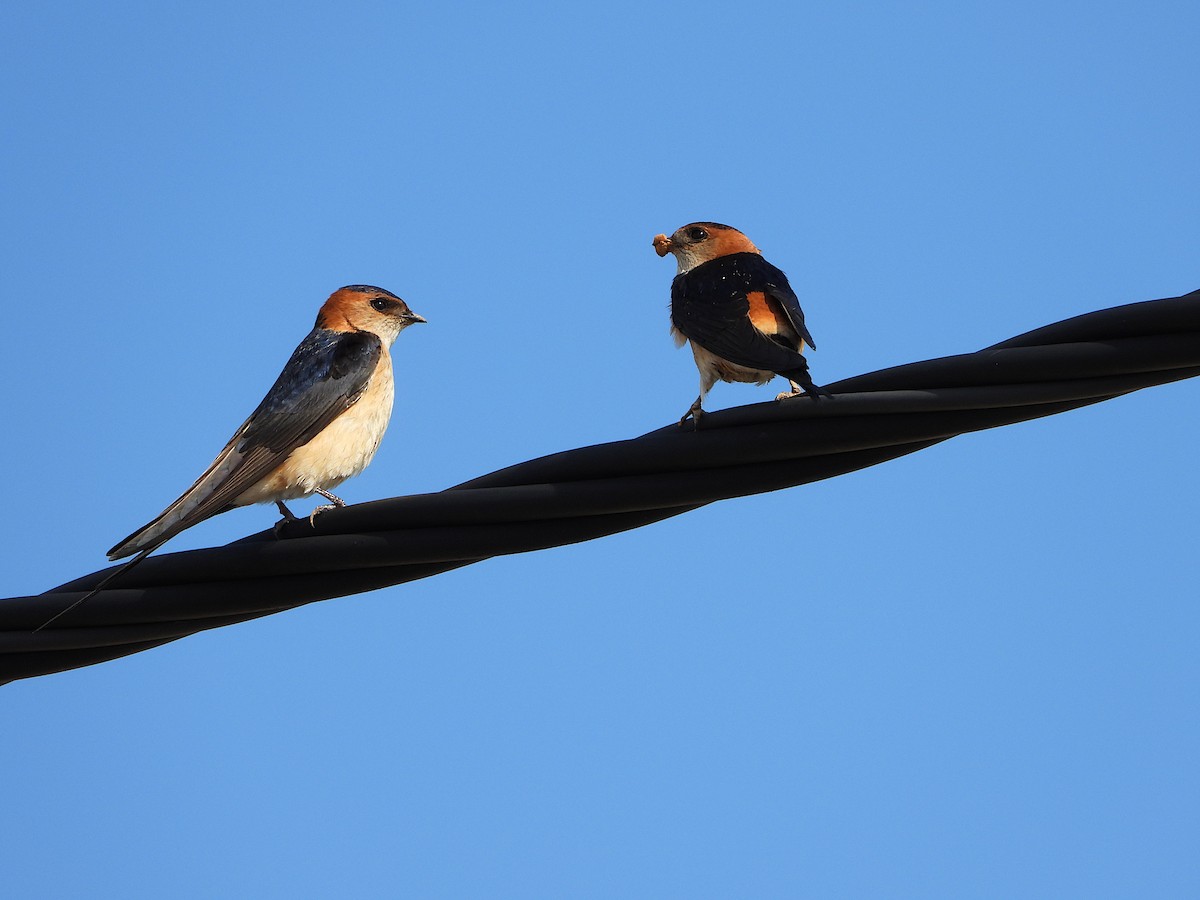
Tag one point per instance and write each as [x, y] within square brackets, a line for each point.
[335, 503]
[287, 517]
[312, 516]
[813, 392]
[695, 414]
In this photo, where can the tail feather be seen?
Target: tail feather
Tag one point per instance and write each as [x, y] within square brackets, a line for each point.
[800, 376]
[190, 509]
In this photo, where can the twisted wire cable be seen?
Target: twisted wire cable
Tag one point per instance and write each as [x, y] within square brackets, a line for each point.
[582, 494]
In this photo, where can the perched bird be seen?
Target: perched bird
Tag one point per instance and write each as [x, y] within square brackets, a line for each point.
[319, 424]
[738, 311]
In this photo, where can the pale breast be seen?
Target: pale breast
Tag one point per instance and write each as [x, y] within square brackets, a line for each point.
[339, 452]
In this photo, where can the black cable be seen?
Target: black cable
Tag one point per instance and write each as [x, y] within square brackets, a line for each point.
[594, 491]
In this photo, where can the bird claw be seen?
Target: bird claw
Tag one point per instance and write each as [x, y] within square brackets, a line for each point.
[335, 504]
[695, 414]
[287, 517]
[813, 393]
[312, 516]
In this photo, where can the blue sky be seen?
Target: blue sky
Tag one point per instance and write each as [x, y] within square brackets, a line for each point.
[969, 672]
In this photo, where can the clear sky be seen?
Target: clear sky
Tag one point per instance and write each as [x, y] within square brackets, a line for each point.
[972, 672]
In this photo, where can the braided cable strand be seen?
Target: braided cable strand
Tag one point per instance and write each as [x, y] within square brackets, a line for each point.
[594, 491]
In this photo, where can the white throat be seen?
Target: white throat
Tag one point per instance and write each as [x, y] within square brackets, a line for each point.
[685, 261]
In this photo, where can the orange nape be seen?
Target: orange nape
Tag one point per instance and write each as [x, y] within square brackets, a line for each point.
[338, 311]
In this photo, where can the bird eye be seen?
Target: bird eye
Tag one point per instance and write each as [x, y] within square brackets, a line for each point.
[380, 303]
[697, 234]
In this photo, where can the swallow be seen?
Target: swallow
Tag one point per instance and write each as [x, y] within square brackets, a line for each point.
[320, 423]
[737, 310]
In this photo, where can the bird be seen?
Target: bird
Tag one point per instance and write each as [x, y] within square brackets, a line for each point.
[319, 424]
[738, 311]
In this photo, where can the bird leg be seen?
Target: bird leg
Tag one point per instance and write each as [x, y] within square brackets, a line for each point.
[695, 413]
[287, 517]
[336, 502]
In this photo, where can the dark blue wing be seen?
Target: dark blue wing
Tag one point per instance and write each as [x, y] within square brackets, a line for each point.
[325, 376]
[776, 285]
[709, 306]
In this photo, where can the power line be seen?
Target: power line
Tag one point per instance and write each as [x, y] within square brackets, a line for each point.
[594, 491]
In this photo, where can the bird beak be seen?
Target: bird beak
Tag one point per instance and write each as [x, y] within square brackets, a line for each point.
[412, 318]
[662, 244]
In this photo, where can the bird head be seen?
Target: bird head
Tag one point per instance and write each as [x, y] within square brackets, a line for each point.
[361, 307]
[699, 242]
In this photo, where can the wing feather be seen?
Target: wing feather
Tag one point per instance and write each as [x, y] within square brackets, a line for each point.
[782, 292]
[324, 377]
[710, 306]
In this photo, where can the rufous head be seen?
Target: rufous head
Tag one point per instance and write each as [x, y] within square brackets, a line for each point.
[362, 307]
[699, 242]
